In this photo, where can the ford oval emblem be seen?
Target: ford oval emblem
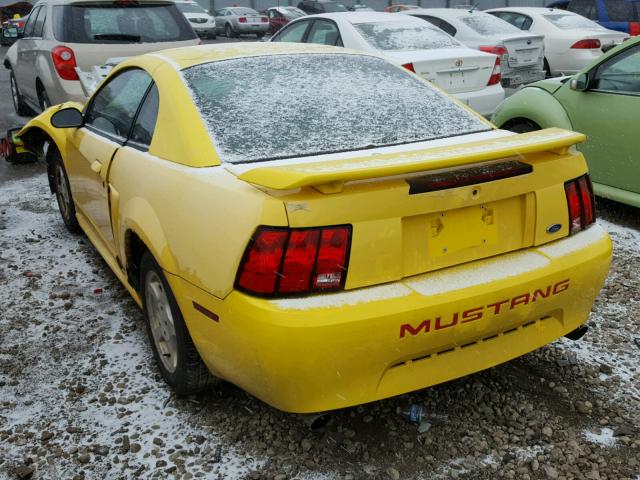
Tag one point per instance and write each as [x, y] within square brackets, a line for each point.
[554, 228]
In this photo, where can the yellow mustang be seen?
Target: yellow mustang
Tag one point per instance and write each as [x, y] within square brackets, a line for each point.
[321, 227]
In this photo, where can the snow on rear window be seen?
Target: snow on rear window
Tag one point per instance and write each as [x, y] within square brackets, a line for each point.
[568, 21]
[486, 24]
[399, 37]
[284, 106]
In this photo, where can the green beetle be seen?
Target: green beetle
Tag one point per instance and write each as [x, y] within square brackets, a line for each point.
[603, 102]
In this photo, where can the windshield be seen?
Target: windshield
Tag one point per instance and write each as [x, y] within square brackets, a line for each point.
[334, 7]
[243, 11]
[120, 23]
[317, 104]
[190, 8]
[486, 24]
[623, 10]
[567, 21]
[400, 37]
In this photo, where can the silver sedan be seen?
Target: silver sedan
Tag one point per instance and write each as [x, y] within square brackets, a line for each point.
[234, 21]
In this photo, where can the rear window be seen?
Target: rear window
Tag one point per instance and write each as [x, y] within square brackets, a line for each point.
[120, 22]
[568, 21]
[623, 11]
[190, 8]
[318, 104]
[334, 7]
[243, 11]
[399, 37]
[292, 12]
[486, 24]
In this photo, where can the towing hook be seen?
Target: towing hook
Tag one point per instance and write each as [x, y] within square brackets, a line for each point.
[578, 333]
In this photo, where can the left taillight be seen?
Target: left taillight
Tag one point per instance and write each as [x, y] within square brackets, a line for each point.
[581, 203]
[409, 66]
[634, 28]
[587, 43]
[64, 61]
[264, 19]
[289, 261]
[496, 74]
[242, 20]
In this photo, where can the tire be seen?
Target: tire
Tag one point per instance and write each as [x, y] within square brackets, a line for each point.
[20, 107]
[547, 69]
[43, 98]
[228, 31]
[63, 192]
[176, 356]
[259, 35]
[522, 126]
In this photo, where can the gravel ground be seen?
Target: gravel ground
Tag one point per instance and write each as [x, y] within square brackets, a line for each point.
[80, 396]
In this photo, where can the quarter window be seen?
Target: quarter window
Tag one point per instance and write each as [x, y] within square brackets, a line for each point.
[38, 27]
[113, 108]
[146, 121]
[324, 33]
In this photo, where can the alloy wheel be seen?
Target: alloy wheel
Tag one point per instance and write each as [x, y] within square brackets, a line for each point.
[161, 321]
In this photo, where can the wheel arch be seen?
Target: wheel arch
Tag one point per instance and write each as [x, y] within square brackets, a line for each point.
[535, 105]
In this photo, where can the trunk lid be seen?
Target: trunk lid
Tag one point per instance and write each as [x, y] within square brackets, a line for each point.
[407, 216]
[455, 70]
[525, 50]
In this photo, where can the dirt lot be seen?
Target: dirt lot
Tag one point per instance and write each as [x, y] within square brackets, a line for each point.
[81, 398]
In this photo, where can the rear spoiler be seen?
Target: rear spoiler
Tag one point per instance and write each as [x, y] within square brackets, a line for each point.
[329, 176]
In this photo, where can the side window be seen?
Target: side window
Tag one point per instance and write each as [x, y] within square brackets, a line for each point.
[293, 33]
[620, 74]
[447, 27]
[38, 26]
[432, 20]
[28, 28]
[586, 8]
[113, 107]
[323, 33]
[145, 123]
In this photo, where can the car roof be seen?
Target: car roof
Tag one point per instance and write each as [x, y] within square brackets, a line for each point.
[531, 10]
[84, 2]
[445, 12]
[369, 17]
[185, 57]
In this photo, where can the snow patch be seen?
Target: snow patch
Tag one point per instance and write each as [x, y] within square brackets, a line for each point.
[576, 242]
[477, 273]
[604, 438]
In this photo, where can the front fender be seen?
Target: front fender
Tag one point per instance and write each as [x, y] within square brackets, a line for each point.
[533, 104]
[39, 129]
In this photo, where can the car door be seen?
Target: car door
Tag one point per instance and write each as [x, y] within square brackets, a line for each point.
[107, 123]
[605, 113]
[26, 55]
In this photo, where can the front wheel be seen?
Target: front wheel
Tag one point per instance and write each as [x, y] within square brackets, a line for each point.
[63, 193]
[173, 349]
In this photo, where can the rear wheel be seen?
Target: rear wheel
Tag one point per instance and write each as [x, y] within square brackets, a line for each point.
[260, 35]
[43, 98]
[63, 193]
[521, 125]
[547, 69]
[19, 105]
[173, 349]
[229, 31]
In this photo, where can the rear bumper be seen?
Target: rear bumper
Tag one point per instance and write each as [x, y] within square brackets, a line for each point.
[252, 28]
[514, 77]
[60, 91]
[334, 351]
[483, 101]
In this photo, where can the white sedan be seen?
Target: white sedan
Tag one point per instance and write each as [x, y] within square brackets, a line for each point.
[571, 41]
[470, 75]
[521, 53]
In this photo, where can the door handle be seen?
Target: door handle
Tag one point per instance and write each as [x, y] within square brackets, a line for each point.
[96, 166]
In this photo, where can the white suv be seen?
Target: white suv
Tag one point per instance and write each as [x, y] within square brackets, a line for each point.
[203, 23]
[62, 36]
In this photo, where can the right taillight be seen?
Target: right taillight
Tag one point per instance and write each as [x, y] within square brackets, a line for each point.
[587, 43]
[496, 74]
[409, 66]
[634, 28]
[581, 203]
[288, 261]
[64, 61]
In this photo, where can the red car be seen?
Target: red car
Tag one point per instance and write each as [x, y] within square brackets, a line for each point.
[280, 16]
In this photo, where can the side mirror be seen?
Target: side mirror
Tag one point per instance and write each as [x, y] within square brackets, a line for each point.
[67, 118]
[580, 82]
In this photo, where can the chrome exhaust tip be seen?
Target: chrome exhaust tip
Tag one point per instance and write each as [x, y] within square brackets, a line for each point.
[315, 420]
